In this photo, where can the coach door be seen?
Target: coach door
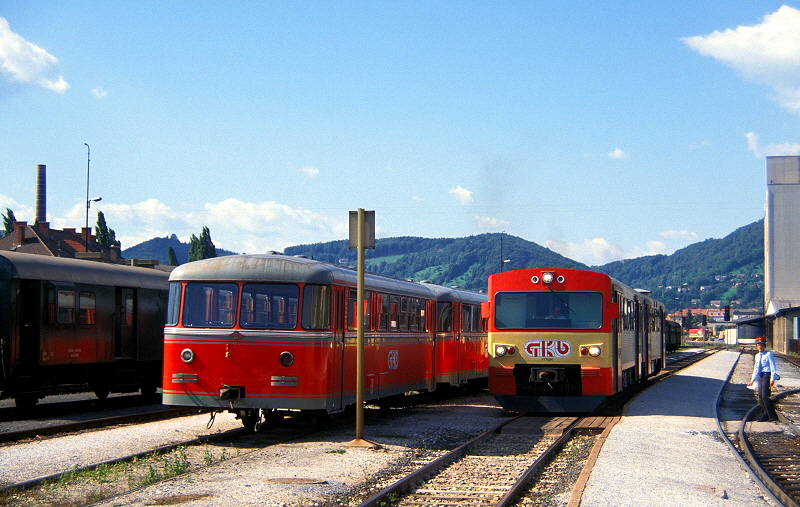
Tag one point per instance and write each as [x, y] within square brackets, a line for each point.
[125, 324]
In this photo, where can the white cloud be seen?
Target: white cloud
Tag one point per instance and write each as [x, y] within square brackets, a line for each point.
[242, 227]
[618, 153]
[310, 171]
[770, 150]
[27, 63]
[598, 251]
[767, 53]
[679, 234]
[462, 195]
[490, 222]
[99, 93]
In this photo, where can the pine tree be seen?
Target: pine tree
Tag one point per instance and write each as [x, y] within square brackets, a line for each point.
[172, 259]
[8, 222]
[202, 248]
[105, 237]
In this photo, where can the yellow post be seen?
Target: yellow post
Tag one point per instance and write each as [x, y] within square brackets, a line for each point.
[359, 440]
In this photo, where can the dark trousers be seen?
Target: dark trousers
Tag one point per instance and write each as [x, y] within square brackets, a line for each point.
[763, 396]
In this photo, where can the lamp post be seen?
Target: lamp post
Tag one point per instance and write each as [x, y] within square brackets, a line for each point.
[88, 153]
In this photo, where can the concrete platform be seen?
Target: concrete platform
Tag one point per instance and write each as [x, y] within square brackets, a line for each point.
[666, 449]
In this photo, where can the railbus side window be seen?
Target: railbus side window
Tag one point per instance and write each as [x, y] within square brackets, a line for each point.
[444, 321]
[316, 307]
[209, 304]
[382, 311]
[413, 320]
[174, 305]
[86, 308]
[405, 310]
[352, 311]
[394, 313]
[269, 306]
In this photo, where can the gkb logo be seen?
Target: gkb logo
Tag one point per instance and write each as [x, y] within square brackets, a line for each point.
[548, 348]
[394, 359]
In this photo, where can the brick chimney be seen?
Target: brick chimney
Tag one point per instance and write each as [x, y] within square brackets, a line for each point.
[41, 193]
[44, 228]
[86, 234]
[19, 228]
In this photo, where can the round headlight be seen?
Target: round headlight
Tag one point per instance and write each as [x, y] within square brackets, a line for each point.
[286, 358]
[560, 279]
[187, 356]
[500, 350]
[535, 279]
[547, 277]
[594, 350]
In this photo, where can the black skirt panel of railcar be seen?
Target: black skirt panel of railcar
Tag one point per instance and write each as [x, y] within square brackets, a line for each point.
[71, 325]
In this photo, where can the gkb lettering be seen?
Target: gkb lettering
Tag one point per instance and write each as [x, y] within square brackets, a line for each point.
[548, 348]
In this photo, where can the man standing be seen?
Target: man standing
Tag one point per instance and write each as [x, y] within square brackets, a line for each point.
[764, 373]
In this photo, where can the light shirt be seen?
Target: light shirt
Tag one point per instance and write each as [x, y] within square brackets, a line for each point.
[764, 363]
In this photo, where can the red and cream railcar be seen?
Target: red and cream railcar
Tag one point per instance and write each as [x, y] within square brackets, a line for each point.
[256, 334]
[563, 340]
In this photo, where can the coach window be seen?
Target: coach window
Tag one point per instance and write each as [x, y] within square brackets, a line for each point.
[128, 309]
[394, 312]
[209, 304]
[444, 321]
[316, 306]
[268, 306]
[65, 310]
[86, 308]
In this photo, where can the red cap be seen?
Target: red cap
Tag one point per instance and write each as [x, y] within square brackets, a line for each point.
[761, 340]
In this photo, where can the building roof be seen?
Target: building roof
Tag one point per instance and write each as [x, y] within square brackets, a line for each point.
[40, 239]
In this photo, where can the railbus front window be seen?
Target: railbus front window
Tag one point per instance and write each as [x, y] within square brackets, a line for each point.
[173, 308]
[546, 310]
[209, 304]
[269, 306]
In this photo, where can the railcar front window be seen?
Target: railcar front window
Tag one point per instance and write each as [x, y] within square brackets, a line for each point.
[209, 304]
[269, 306]
[548, 310]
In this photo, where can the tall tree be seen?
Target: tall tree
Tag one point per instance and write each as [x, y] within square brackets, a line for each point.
[202, 247]
[8, 222]
[105, 237]
[172, 259]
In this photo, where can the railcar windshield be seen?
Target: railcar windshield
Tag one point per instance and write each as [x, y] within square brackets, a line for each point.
[269, 306]
[548, 310]
[209, 304]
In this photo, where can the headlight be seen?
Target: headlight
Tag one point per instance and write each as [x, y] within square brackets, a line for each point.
[594, 350]
[547, 277]
[286, 358]
[187, 356]
[503, 350]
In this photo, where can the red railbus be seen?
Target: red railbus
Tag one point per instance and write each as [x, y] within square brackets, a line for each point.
[563, 340]
[259, 335]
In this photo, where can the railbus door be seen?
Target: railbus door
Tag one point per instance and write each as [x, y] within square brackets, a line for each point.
[339, 323]
[125, 324]
[645, 340]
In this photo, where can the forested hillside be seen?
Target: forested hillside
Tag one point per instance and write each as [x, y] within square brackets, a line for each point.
[727, 269]
[731, 268]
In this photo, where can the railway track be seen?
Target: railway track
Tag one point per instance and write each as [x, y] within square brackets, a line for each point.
[493, 468]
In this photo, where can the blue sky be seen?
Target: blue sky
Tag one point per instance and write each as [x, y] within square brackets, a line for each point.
[600, 130]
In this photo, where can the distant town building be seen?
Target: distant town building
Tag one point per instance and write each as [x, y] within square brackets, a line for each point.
[42, 240]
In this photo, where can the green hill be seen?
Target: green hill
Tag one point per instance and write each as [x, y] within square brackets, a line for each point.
[156, 248]
[727, 269]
